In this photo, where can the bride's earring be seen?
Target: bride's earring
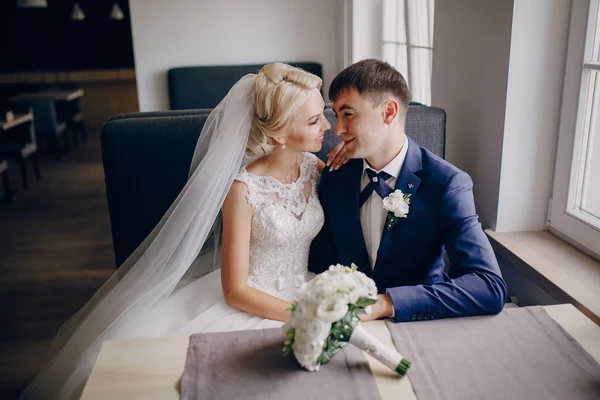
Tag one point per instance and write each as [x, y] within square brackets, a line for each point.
[283, 146]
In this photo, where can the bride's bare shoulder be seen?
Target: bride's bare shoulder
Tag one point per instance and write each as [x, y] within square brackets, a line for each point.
[238, 190]
[257, 167]
[237, 198]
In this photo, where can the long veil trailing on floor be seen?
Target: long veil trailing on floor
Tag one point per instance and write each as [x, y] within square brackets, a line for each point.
[157, 266]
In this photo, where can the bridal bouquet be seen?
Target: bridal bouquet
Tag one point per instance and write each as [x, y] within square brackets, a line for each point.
[324, 318]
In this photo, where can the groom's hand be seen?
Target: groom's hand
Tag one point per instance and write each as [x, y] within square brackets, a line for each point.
[384, 308]
[337, 157]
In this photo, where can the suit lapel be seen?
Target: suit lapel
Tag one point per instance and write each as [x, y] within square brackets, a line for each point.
[408, 183]
[349, 179]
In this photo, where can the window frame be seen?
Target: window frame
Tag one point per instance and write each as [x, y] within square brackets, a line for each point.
[565, 219]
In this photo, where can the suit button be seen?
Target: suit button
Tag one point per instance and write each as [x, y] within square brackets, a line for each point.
[420, 317]
[413, 317]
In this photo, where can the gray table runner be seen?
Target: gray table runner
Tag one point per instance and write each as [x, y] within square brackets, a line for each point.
[250, 365]
[521, 353]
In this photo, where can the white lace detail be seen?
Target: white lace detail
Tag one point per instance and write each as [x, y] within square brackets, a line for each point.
[283, 226]
[265, 190]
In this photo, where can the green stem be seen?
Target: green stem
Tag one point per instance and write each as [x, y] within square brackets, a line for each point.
[403, 367]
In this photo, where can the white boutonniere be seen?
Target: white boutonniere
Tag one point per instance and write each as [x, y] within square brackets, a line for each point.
[397, 204]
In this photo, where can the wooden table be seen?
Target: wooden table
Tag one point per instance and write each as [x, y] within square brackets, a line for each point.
[55, 94]
[17, 120]
[152, 368]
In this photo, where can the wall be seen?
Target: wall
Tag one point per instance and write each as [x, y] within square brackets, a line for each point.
[43, 39]
[201, 32]
[533, 104]
[498, 71]
[470, 69]
[105, 99]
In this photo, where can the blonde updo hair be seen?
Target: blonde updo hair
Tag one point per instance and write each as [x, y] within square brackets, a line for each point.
[277, 93]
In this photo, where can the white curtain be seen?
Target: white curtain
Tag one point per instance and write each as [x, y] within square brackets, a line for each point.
[408, 43]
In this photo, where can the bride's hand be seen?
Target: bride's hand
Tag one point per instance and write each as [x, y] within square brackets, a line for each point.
[337, 157]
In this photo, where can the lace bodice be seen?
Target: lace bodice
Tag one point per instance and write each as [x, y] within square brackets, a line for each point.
[286, 220]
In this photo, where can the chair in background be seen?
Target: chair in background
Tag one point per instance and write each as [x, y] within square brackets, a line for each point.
[162, 147]
[205, 86]
[154, 114]
[19, 143]
[147, 157]
[49, 129]
[5, 182]
[71, 112]
[425, 125]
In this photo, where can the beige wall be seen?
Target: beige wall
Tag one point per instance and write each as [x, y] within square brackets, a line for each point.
[498, 72]
[470, 76]
[105, 99]
[179, 33]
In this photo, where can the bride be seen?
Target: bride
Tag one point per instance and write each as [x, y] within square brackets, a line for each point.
[270, 214]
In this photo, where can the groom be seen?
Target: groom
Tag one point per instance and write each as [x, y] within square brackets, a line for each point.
[403, 254]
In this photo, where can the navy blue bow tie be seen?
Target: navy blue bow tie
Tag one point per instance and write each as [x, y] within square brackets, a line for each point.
[377, 184]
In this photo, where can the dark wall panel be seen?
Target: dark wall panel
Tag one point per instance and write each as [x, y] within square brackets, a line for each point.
[33, 39]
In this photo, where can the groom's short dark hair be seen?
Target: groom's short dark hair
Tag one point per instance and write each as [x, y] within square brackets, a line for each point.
[372, 77]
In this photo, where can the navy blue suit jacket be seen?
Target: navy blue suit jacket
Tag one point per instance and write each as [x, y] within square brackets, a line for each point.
[409, 262]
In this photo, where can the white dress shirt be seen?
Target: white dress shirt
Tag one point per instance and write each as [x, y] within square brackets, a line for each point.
[372, 213]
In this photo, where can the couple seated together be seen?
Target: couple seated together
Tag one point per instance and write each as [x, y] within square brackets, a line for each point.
[285, 216]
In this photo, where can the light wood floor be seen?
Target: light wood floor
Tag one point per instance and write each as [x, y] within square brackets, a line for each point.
[55, 252]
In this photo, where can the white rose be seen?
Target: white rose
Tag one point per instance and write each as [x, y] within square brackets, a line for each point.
[309, 342]
[321, 302]
[332, 310]
[396, 203]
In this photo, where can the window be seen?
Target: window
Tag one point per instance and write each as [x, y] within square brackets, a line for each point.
[408, 43]
[575, 208]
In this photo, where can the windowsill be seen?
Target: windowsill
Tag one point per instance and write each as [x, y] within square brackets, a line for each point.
[563, 271]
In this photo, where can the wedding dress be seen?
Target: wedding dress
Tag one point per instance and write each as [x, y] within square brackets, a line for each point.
[153, 292]
[286, 220]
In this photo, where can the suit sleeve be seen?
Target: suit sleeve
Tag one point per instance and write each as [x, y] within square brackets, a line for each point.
[323, 250]
[475, 286]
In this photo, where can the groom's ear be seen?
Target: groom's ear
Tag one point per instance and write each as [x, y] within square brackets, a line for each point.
[390, 110]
